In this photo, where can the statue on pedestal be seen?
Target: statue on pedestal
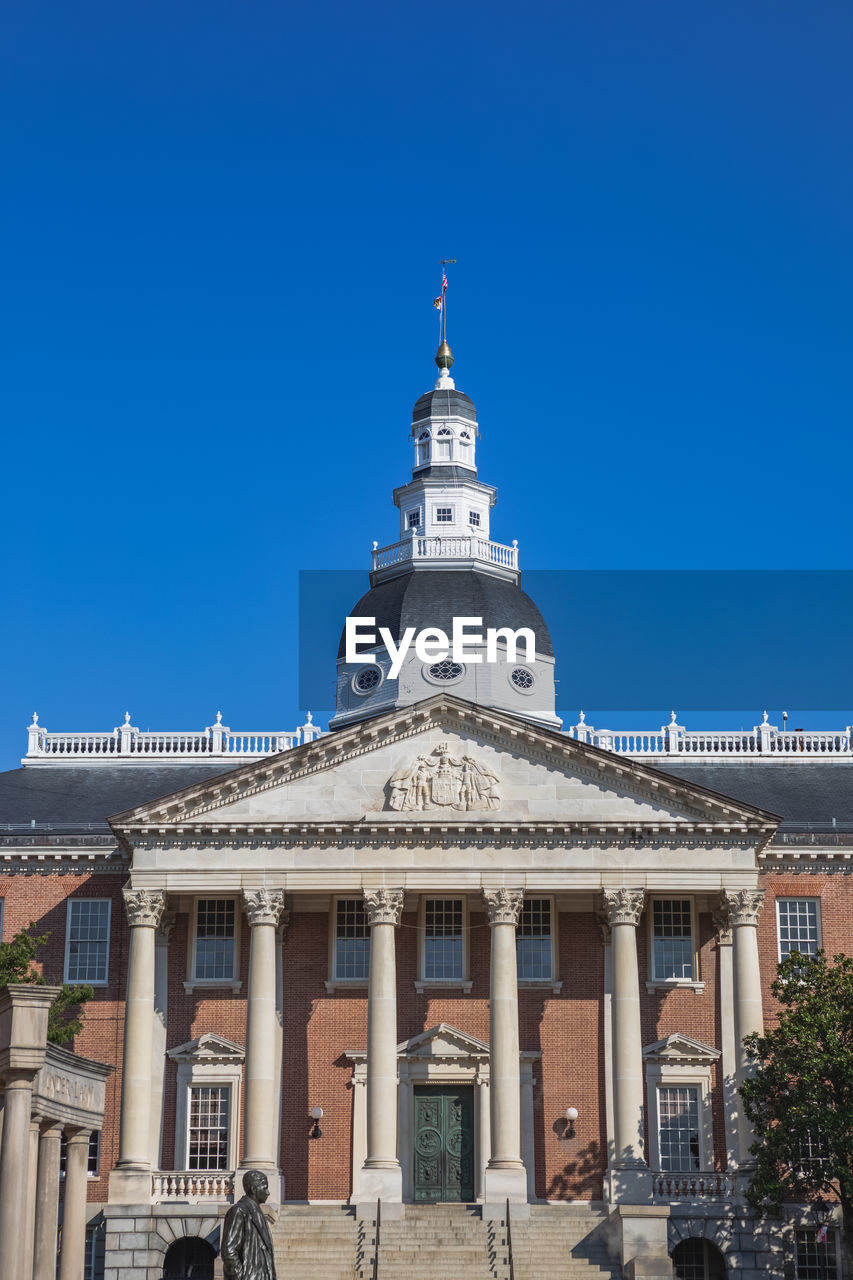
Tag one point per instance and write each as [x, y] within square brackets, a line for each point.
[247, 1251]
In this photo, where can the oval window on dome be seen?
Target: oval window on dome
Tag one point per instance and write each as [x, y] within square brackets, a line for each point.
[446, 670]
[523, 679]
[366, 679]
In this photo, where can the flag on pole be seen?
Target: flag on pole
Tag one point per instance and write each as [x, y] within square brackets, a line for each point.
[438, 303]
[443, 280]
[822, 1235]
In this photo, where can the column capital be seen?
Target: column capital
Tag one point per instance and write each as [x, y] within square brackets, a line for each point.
[503, 905]
[722, 925]
[264, 906]
[144, 907]
[622, 906]
[383, 906]
[742, 906]
[165, 927]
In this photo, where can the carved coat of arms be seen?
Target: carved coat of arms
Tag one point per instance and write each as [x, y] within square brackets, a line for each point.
[441, 780]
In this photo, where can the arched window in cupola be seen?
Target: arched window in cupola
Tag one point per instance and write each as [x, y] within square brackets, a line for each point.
[443, 442]
[423, 448]
[464, 446]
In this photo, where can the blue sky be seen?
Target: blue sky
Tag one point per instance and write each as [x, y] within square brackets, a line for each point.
[220, 232]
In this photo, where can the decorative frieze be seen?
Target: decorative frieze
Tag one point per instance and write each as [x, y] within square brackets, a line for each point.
[623, 906]
[145, 907]
[383, 906]
[441, 780]
[743, 906]
[264, 906]
[503, 905]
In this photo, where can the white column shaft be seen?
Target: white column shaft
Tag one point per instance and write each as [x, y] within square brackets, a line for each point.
[627, 1047]
[749, 1015]
[382, 1049]
[73, 1255]
[505, 1081]
[484, 1134]
[47, 1201]
[13, 1174]
[134, 1139]
[262, 1104]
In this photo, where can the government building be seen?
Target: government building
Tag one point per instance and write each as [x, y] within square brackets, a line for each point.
[468, 984]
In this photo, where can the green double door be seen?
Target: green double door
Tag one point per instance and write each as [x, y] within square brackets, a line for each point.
[444, 1143]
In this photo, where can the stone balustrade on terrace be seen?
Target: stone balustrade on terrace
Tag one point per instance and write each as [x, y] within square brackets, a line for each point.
[453, 547]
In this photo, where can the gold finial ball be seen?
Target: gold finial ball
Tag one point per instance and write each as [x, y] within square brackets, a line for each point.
[444, 356]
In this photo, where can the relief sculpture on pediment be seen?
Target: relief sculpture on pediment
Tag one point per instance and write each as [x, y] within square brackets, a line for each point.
[441, 780]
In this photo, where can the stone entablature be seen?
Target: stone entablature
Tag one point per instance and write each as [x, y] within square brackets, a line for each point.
[71, 1090]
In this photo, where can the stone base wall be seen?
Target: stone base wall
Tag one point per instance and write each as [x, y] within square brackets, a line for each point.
[137, 1236]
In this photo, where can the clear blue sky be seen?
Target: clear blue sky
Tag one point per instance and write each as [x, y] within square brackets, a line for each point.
[220, 231]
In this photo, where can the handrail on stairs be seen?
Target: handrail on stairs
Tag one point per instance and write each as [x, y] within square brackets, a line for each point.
[509, 1242]
[376, 1244]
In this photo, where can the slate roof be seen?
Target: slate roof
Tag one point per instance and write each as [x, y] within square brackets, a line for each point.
[434, 597]
[800, 791]
[444, 404]
[69, 796]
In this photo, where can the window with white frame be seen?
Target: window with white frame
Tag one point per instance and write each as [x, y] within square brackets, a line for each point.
[474, 519]
[93, 1159]
[413, 519]
[215, 940]
[443, 441]
[444, 515]
[423, 448]
[209, 1127]
[812, 1150]
[351, 959]
[672, 940]
[678, 1128]
[816, 1260]
[444, 950]
[533, 948]
[798, 921]
[87, 941]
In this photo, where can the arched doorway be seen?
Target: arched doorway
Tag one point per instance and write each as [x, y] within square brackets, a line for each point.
[696, 1259]
[189, 1259]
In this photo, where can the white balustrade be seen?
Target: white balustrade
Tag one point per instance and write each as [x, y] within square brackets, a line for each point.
[711, 1185]
[673, 741]
[451, 547]
[191, 1188]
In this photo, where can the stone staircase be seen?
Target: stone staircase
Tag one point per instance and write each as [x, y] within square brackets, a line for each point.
[556, 1242]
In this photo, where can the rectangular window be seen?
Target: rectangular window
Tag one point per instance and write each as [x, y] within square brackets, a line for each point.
[474, 519]
[208, 1127]
[444, 515]
[94, 1157]
[799, 926]
[352, 940]
[413, 520]
[443, 939]
[812, 1150]
[214, 939]
[533, 940]
[816, 1261]
[678, 1116]
[87, 942]
[672, 939]
[90, 1254]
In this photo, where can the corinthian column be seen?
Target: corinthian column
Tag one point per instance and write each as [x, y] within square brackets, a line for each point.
[265, 909]
[622, 910]
[144, 911]
[743, 908]
[381, 1176]
[505, 1176]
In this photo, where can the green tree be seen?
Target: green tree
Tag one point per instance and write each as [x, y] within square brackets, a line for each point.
[17, 964]
[800, 1097]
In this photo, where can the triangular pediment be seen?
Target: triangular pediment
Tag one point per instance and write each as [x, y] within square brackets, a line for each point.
[680, 1048]
[445, 764]
[443, 1042]
[207, 1048]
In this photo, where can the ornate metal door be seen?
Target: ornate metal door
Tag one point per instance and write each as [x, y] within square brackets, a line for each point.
[444, 1143]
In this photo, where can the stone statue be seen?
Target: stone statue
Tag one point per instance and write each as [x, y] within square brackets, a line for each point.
[247, 1252]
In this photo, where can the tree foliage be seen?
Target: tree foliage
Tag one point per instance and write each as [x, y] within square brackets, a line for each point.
[17, 964]
[800, 1097]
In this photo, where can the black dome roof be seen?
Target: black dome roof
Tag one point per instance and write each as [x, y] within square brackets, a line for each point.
[444, 404]
[434, 597]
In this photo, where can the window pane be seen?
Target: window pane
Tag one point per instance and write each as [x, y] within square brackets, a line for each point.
[208, 1136]
[533, 940]
[352, 940]
[672, 953]
[214, 948]
[798, 926]
[816, 1261]
[443, 938]
[88, 940]
[678, 1111]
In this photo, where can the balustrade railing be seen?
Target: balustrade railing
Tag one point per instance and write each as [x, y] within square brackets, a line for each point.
[711, 1185]
[216, 742]
[191, 1188]
[450, 547]
[674, 741]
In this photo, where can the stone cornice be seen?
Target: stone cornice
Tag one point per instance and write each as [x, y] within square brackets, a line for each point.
[504, 731]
